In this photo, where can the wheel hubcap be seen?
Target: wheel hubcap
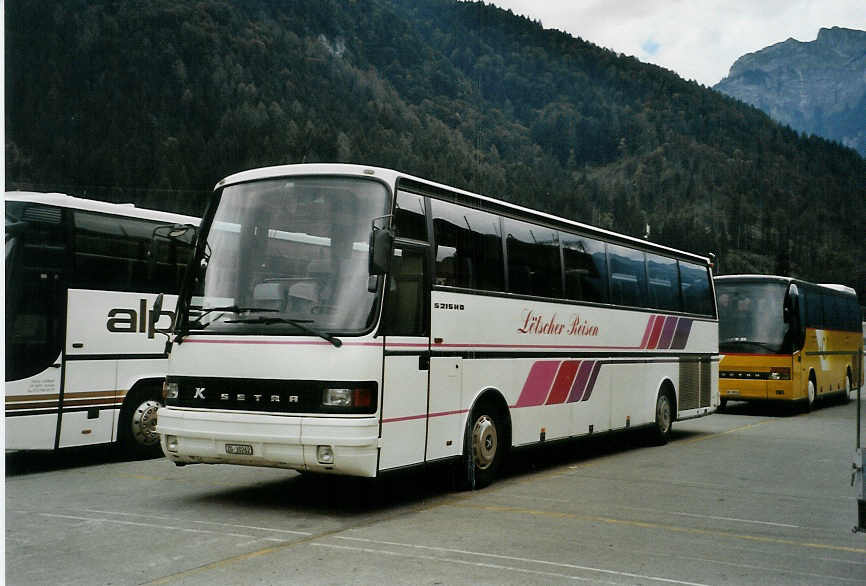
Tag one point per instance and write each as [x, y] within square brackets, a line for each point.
[663, 414]
[811, 392]
[144, 423]
[484, 442]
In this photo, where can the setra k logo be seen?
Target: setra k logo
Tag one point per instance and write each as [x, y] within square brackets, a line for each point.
[199, 393]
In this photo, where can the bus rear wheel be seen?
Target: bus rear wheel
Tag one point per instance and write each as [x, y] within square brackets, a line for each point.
[484, 446]
[137, 425]
[664, 418]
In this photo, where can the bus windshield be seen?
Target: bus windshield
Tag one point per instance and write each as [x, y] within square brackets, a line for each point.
[751, 317]
[288, 257]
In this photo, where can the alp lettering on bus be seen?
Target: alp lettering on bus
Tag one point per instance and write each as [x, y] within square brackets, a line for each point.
[122, 320]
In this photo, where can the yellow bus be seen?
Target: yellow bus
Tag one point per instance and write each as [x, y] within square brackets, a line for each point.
[786, 340]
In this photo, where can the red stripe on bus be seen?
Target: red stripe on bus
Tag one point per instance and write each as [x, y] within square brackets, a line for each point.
[423, 416]
[280, 342]
[656, 333]
[562, 383]
[535, 346]
[647, 330]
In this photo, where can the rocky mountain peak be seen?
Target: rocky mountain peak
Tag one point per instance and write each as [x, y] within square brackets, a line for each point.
[817, 87]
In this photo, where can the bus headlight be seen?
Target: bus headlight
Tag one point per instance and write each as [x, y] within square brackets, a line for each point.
[360, 397]
[325, 454]
[169, 391]
[780, 373]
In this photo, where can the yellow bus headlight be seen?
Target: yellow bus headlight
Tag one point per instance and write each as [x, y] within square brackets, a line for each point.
[780, 373]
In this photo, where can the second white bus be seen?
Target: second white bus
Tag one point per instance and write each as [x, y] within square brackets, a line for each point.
[85, 359]
[352, 320]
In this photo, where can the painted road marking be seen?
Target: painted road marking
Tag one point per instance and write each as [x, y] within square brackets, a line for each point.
[650, 525]
[176, 519]
[500, 557]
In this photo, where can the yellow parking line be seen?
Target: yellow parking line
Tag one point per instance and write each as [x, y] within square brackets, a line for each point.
[721, 433]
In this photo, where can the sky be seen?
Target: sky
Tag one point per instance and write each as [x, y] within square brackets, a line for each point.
[698, 39]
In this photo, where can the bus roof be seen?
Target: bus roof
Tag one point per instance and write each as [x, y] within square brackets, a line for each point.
[754, 277]
[79, 203]
[391, 177]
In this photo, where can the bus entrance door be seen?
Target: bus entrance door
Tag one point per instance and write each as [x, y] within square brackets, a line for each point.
[90, 386]
[407, 359]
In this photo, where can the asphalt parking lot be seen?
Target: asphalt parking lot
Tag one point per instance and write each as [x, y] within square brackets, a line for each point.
[749, 496]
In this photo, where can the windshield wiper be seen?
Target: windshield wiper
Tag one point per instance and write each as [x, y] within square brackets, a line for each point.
[231, 308]
[204, 311]
[301, 324]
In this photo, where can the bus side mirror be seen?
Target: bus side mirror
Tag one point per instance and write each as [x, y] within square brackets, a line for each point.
[183, 235]
[157, 304]
[381, 245]
[792, 317]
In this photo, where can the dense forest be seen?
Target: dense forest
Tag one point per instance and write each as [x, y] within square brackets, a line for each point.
[153, 101]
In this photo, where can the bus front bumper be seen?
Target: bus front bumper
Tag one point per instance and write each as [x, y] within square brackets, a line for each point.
[756, 390]
[330, 445]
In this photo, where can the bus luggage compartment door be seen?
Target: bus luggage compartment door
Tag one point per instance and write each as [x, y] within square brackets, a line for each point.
[446, 416]
[404, 408]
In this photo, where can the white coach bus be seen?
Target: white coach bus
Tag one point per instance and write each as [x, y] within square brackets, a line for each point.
[351, 320]
[83, 359]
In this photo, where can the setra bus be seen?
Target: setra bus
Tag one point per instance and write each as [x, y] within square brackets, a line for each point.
[786, 340]
[84, 364]
[353, 320]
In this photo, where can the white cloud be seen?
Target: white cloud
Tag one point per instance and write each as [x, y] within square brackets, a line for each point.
[698, 39]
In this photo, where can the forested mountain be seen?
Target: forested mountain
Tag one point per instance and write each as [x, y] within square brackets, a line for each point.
[153, 101]
[817, 87]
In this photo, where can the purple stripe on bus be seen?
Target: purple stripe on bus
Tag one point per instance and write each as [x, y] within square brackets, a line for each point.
[681, 336]
[537, 384]
[580, 381]
[668, 332]
[591, 384]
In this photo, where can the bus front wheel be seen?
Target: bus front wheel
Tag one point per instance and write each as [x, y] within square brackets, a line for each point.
[843, 399]
[811, 394]
[484, 446]
[137, 425]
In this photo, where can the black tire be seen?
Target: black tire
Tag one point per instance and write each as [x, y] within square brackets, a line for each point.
[664, 419]
[722, 404]
[484, 446]
[137, 424]
[846, 395]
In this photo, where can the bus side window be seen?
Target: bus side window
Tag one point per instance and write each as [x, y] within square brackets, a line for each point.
[533, 259]
[664, 282]
[34, 300]
[409, 218]
[468, 247]
[628, 284]
[814, 308]
[585, 268]
[406, 298]
[695, 283]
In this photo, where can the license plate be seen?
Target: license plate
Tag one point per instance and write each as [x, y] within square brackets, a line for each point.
[239, 449]
[733, 392]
